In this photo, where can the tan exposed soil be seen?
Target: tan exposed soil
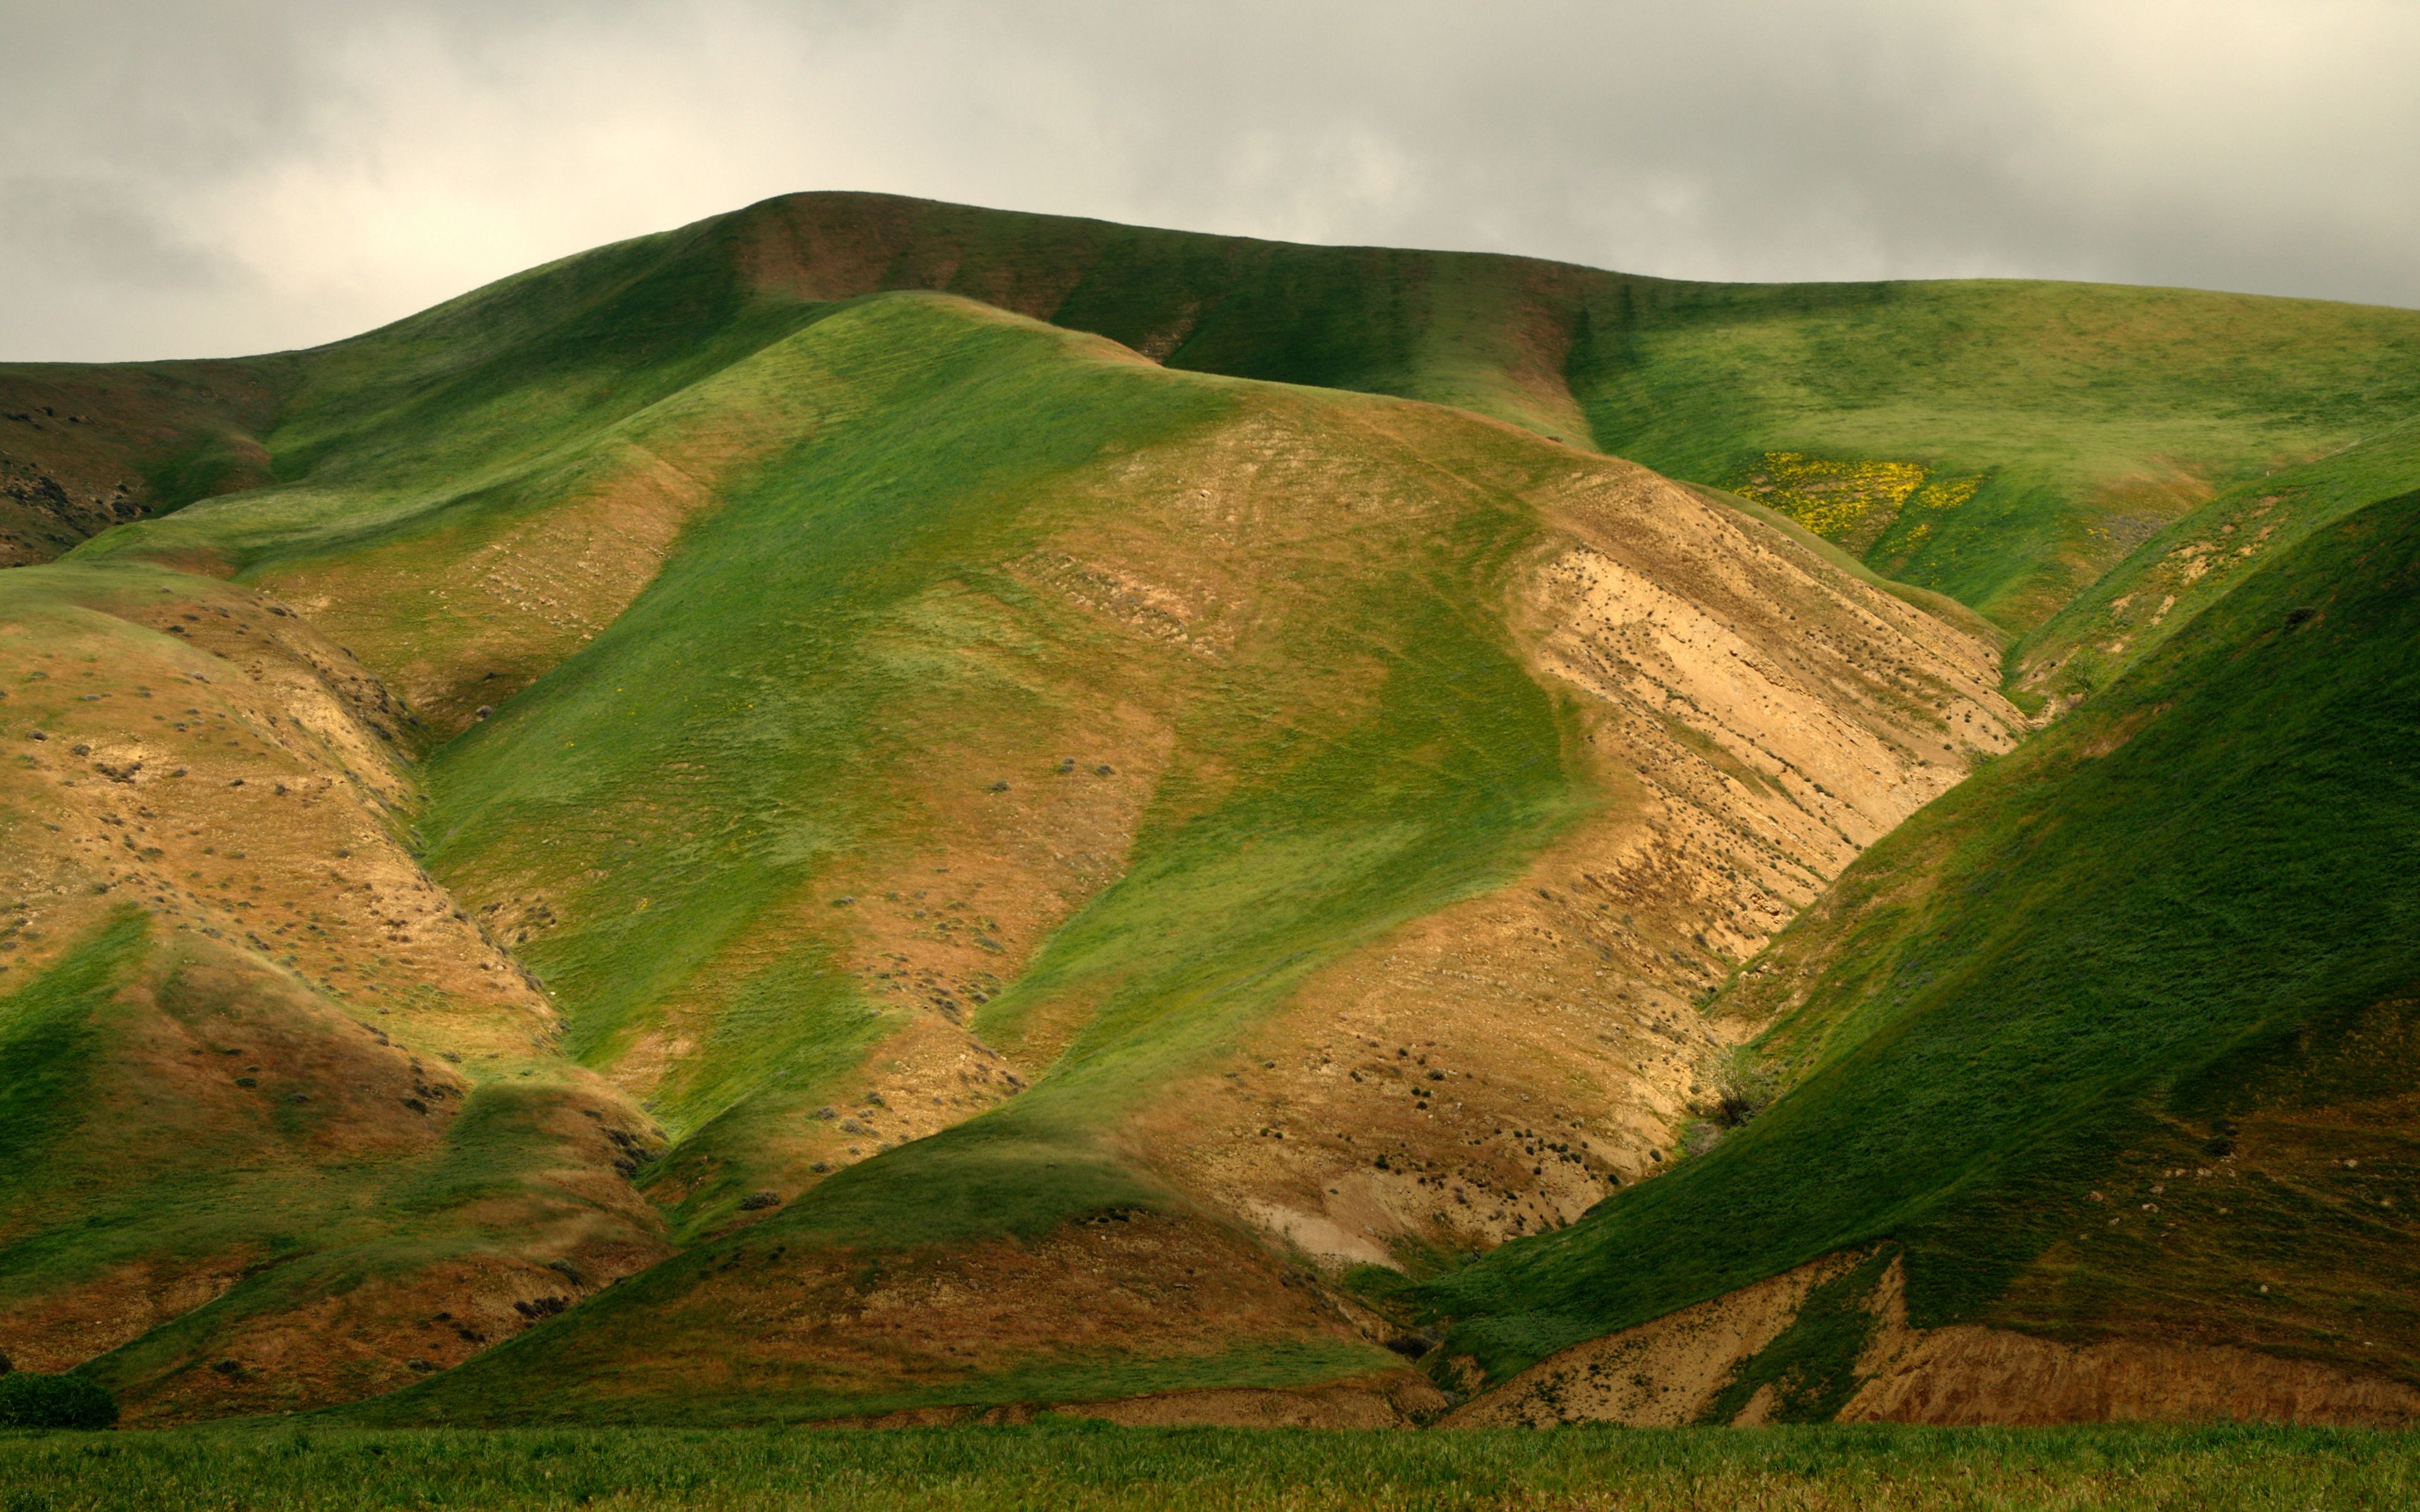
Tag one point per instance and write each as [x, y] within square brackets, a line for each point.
[1666, 1372]
[237, 775]
[1756, 718]
[1661, 1374]
[1134, 1287]
[1966, 1375]
[313, 1004]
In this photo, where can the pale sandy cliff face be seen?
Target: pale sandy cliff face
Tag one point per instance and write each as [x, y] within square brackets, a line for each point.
[1754, 717]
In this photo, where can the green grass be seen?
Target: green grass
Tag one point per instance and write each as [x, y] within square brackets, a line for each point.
[301, 1468]
[2059, 395]
[1377, 752]
[2158, 919]
[2032, 989]
[2092, 412]
[48, 1045]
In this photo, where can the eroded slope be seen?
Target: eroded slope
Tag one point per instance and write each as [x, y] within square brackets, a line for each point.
[2110, 1039]
[1749, 717]
[281, 1119]
[1051, 733]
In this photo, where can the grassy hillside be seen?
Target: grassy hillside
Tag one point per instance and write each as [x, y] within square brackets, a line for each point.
[2110, 1038]
[776, 834]
[988, 734]
[2003, 442]
[807, 722]
[2000, 442]
[907, 713]
[1048, 710]
[802, 697]
[260, 1094]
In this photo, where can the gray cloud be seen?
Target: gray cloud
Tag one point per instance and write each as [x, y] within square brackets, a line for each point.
[188, 179]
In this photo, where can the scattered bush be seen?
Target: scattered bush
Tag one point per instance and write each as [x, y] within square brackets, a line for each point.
[28, 1400]
[1744, 1090]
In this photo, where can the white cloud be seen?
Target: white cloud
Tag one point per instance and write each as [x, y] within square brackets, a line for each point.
[189, 180]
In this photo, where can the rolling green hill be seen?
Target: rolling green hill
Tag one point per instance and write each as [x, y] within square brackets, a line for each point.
[2162, 952]
[2004, 442]
[2001, 442]
[871, 807]
[1028, 708]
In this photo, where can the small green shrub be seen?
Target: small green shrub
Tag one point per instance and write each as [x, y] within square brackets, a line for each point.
[37, 1401]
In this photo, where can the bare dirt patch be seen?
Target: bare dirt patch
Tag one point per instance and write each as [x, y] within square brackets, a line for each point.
[312, 1020]
[1661, 1374]
[1754, 717]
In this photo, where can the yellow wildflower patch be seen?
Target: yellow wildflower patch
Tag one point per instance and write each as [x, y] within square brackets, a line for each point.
[1947, 493]
[1848, 501]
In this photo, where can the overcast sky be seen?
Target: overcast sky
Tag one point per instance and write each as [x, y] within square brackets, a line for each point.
[184, 177]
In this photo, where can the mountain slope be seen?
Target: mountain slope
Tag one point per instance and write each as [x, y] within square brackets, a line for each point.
[85, 448]
[781, 838]
[265, 1090]
[2003, 442]
[2109, 1041]
[992, 708]
[1329, 753]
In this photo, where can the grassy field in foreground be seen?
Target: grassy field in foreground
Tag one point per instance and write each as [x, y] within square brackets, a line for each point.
[1082, 1466]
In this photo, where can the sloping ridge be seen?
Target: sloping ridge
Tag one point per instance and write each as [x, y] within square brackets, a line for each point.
[2113, 1040]
[1130, 876]
[2004, 442]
